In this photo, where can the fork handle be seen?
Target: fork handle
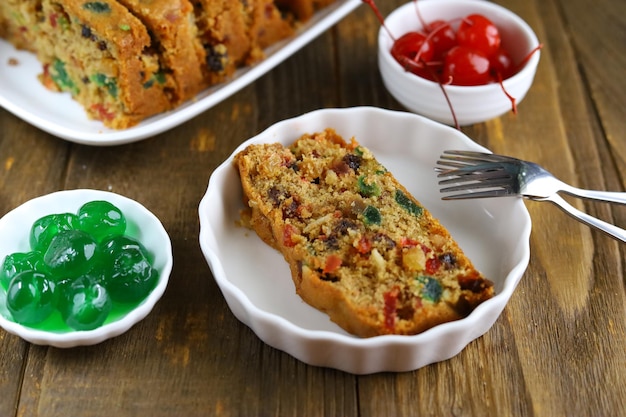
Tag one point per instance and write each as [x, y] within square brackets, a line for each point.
[608, 228]
[608, 196]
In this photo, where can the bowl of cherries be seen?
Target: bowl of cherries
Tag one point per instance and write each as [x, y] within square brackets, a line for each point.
[458, 62]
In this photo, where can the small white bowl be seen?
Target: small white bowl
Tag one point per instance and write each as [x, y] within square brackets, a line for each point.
[471, 104]
[256, 282]
[141, 224]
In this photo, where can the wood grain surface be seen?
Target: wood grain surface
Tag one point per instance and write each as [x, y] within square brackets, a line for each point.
[558, 349]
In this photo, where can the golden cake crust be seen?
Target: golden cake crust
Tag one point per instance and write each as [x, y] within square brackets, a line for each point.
[359, 246]
[172, 25]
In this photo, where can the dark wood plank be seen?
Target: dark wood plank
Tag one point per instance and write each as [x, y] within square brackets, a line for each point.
[599, 39]
[13, 352]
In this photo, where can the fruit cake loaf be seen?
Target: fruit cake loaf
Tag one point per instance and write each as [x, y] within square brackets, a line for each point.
[359, 246]
[234, 32]
[101, 53]
[126, 60]
[171, 25]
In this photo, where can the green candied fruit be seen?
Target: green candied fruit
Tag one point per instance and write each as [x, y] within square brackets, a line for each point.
[367, 190]
[106, 82]
[71, 253]
[19, 18]
[158, 77]
[408, 204]
[31, 297]
[85, 303]
[116, 244]
[371, 215]
[129, 275]
[63, 22]
[18, 262]
[61, 78]
[101, 219]
[97, 6]
[431, 289]
[45, 228]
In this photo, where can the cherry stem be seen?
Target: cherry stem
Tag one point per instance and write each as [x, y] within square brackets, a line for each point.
[527, 58]
[445, 94]
[467, 21]
[409, 63]
[517, 69]
[506, 93]
[429, 36]
[419, 16]
[380, 17]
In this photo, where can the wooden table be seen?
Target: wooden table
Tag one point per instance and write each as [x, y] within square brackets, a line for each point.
[558, 349]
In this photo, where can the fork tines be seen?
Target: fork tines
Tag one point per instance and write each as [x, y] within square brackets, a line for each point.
[477, 174]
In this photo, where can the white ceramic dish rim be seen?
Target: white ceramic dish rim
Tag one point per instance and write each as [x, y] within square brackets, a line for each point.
[349, 353]
[78, 129]
[70, 200]
[385, 43]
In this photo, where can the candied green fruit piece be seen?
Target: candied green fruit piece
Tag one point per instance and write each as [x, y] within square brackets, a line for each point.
[157, 77]
[367, 189]
[46, 227]
[101, 219]
[31, 297]
[61, 78]
[431, 289]
[372, 215]
[71, 253]
[406, 203]
[97, 6]
[17, 262]
[130, 276]
[106, 82]
[115, 244]
[85, 304]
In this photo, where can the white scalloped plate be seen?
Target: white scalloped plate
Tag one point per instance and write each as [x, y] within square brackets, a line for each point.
[23, 95]
[256, 282]
[142, 225]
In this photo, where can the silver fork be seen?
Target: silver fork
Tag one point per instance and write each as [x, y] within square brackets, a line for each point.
[483, 175]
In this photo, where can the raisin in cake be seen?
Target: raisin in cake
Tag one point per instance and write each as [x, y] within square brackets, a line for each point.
[223, 32]
[359, 246]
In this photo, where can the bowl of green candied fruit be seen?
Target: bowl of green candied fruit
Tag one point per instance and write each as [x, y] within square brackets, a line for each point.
[80, 266]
